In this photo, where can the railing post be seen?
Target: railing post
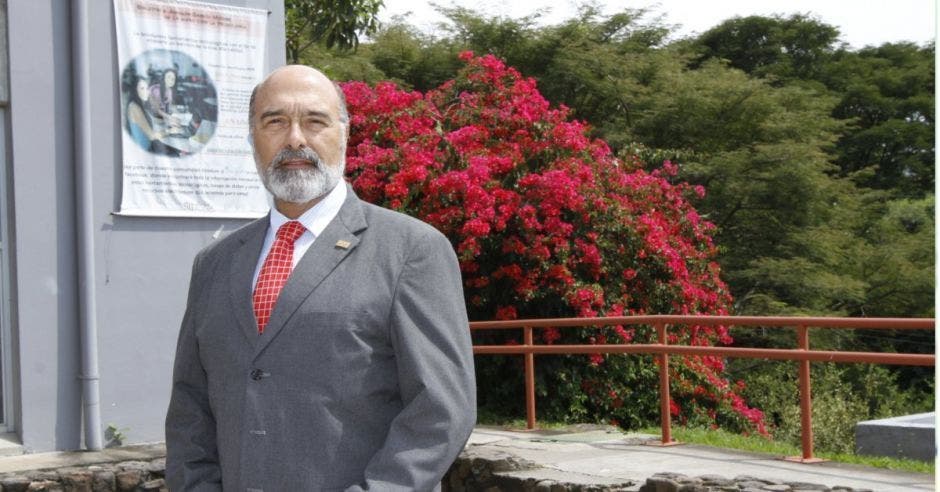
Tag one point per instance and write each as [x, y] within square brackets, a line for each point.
[664, 400]
[806, 401]
[529, 378]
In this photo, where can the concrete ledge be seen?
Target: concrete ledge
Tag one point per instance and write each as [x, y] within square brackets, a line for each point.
[910, 436]
[42, 461]
[10, 445]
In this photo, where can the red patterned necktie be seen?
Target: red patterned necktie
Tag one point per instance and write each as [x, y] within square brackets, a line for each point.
[275, 270]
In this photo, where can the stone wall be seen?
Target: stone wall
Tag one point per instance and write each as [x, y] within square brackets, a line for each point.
[474, 471]
[126, 476]
[482, 470]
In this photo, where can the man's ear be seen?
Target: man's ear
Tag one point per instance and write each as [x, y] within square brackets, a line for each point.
[251, 140]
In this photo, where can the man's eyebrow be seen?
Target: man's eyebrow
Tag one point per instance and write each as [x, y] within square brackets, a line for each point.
[270, 113]
[281, 112]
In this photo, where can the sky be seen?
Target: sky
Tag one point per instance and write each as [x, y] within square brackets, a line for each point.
[861, 22]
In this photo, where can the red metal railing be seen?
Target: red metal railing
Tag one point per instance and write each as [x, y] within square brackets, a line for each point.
[801, 354]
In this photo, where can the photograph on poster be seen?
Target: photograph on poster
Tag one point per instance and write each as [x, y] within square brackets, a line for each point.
[169, 102]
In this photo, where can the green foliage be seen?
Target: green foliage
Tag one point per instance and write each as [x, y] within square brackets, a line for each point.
[888, 94]
[333, 22]
[342, 64]
[411, 58]
[842, 395]
[897, 259]
[115, 436]
[761, 152]
[782, 47]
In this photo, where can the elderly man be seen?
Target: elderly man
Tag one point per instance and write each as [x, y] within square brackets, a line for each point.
[324, 347]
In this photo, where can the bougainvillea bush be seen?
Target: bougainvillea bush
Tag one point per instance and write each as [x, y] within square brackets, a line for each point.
[546, 222]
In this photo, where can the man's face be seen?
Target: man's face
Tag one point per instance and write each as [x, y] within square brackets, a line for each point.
[299, 140]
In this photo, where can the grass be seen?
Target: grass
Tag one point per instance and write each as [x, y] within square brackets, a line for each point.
[724, 439]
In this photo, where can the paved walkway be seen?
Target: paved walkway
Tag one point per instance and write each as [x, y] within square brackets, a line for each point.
[586, 454]
[610, 457]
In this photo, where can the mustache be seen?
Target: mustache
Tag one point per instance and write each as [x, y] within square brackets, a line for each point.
[306, 154]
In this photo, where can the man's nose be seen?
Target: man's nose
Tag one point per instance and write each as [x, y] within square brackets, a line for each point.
[295, 137]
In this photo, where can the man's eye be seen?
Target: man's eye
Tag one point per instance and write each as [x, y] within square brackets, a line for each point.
[274, 122]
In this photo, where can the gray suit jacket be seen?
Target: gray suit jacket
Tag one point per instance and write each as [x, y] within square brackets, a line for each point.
[362, 380]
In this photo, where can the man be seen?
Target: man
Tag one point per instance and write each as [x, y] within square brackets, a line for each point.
[355, 373]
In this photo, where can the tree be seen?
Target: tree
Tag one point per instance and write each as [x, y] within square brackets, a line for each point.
[785, 48]
[331, 22]
[413, 59]
[760, 150]
[887, 93]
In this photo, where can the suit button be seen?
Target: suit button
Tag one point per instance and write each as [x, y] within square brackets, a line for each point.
[257, 374]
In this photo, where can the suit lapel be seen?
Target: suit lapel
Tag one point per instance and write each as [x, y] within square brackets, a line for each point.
[242, 269]
[329, 249]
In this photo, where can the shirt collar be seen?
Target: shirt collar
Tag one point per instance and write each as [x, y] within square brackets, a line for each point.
[319, 216]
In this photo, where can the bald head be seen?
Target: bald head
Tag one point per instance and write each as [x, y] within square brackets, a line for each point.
[291, 75]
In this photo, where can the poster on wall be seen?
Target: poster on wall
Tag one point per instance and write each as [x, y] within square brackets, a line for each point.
[186, 71]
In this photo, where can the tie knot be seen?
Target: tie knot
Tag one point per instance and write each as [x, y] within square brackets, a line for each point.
[290, 231]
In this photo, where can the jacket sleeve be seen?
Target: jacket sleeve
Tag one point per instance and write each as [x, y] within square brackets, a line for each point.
[431, 338]
[192, 460]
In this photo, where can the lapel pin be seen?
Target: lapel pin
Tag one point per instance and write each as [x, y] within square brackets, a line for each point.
[343, 244]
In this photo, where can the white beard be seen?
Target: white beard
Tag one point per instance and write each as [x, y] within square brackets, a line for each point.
[302, 185]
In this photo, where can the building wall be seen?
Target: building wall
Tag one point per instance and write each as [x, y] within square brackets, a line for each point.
[142, 264]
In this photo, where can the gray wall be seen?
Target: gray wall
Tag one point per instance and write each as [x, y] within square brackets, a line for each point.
[141, 264]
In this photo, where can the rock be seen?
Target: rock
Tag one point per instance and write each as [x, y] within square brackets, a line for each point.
[544, 486]
[157, 484]
[77, 480]
[157, 468]
[775, 487]
[46, 486]
[715, 480]
[14, 484]
[127, 480]
[503, 462]
[44, 476]
[803, 486]
[103, 481]
[751, 484]
[134, 465]
[748, 478]
[660, 484]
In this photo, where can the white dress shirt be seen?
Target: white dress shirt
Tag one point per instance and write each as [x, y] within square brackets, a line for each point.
[314, 220]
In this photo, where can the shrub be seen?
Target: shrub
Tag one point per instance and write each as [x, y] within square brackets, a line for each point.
[842, 395]
[546, 222]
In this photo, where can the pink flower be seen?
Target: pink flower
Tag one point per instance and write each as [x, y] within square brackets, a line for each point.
[546, 221]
